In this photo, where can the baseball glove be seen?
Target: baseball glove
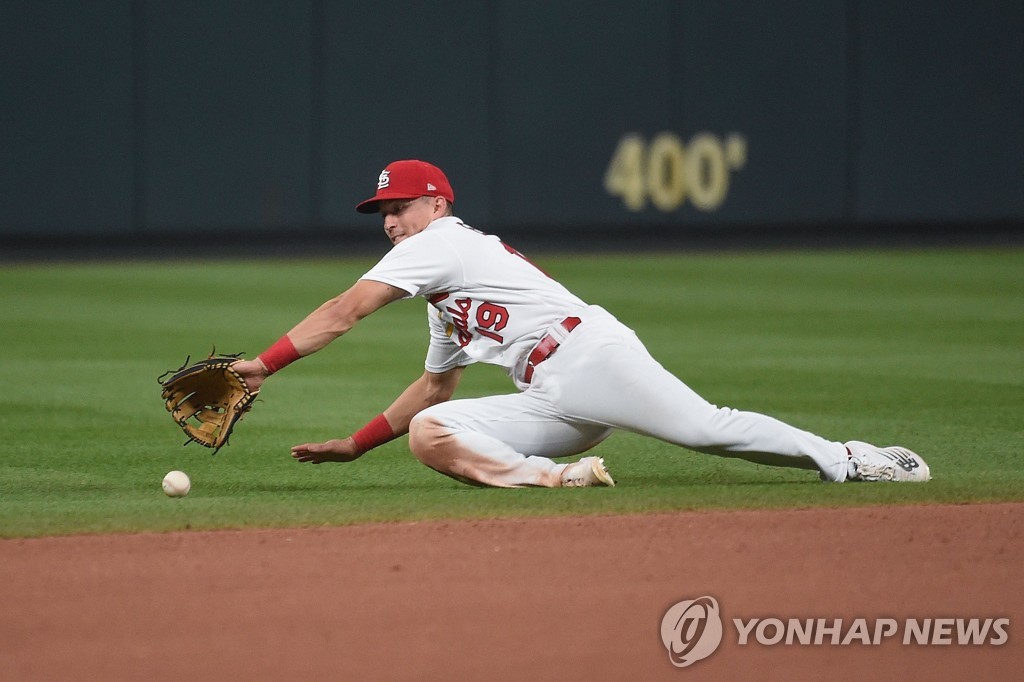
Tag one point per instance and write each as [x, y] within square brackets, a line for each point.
[207, 398]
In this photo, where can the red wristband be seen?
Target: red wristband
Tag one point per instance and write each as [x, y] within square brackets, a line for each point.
[377, 432]
[279, 355]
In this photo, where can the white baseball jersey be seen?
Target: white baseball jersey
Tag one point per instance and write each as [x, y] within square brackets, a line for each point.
[486, 302]
[489, 304]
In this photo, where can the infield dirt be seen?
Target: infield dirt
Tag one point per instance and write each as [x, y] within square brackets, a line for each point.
[556, 598]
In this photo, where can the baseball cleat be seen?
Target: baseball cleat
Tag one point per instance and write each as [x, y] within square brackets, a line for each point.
[893, 463]
[586, 473]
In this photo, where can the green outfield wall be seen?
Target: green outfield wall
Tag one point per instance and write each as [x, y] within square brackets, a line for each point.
[135, 118]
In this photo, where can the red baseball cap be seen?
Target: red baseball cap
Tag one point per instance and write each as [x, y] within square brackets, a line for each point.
[408, 179]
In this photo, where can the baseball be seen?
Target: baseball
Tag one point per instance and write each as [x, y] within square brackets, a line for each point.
[177, 484]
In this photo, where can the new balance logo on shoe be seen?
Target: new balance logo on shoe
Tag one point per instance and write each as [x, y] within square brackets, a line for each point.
[903, 460]
[893, 463]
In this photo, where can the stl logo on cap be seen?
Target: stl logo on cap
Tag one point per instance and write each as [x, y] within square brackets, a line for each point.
[408, 179]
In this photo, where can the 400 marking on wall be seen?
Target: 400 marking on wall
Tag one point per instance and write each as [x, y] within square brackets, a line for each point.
[667, 173]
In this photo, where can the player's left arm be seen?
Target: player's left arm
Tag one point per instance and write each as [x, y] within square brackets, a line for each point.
[331, 320]
[337, 316]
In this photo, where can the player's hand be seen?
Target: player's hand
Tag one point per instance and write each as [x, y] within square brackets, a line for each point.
[336, 450]
[253, 371]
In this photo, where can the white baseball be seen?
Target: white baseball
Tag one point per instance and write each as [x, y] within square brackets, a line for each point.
[177, 484]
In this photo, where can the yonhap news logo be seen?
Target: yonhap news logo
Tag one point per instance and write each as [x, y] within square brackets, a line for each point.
[693, 629]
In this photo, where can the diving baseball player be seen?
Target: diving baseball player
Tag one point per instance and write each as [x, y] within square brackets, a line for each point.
[581, 373]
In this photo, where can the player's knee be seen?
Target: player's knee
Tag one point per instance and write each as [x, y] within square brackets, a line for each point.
[426, 437]
[434, 444]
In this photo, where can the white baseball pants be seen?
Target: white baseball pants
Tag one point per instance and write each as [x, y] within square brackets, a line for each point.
[601, 378]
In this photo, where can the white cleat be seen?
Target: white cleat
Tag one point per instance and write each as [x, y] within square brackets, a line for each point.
[586, 473]
[893, 463]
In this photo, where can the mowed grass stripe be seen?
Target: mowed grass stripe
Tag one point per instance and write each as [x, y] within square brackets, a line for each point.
[922, 348]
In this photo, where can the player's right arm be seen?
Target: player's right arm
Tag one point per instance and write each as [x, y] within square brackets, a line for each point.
[430, 389]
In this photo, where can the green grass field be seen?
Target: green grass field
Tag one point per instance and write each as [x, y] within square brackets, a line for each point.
[923, 348]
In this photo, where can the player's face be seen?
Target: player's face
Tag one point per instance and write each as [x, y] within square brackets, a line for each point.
[405, 217]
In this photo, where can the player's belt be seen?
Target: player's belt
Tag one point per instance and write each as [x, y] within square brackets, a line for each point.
[546, 347]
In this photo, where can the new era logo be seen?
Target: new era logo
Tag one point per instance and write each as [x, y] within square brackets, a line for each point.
[431, 188]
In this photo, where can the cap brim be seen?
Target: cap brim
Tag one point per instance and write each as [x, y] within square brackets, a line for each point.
[372, 205]
[369, 206]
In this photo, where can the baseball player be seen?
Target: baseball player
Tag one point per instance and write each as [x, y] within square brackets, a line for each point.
[581, 373]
